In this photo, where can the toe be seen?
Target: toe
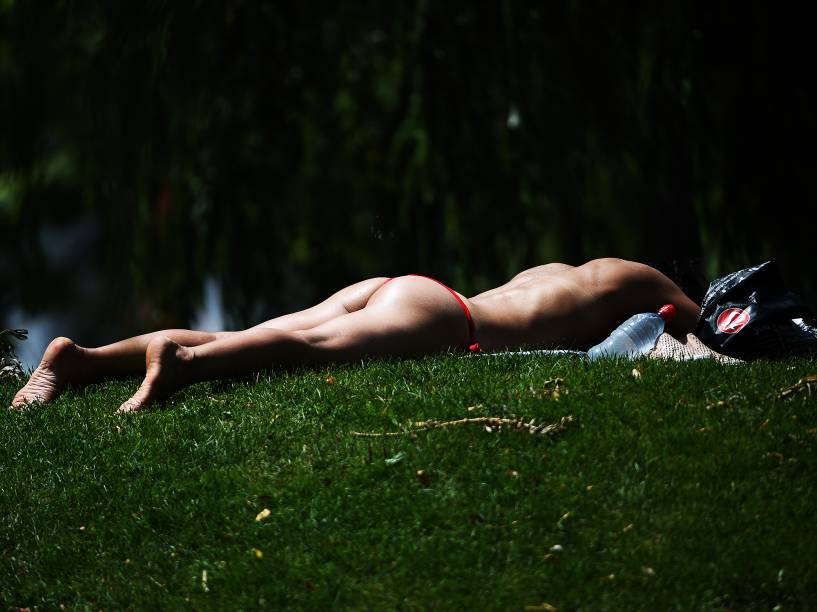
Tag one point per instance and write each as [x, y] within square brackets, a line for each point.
[134, 403]
[126, 408]
[24, 398]
[18, 404]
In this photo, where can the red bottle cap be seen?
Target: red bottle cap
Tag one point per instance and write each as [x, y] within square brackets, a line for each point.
[667, 312]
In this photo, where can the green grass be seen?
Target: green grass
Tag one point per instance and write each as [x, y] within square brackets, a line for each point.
[689, 487]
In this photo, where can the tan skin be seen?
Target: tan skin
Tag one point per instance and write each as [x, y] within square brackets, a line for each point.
[554, 306]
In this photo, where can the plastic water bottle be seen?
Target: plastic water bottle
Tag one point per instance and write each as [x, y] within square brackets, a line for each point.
[636, 336]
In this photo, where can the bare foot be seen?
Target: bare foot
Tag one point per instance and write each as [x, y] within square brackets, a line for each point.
[62, 363]
[165, 361]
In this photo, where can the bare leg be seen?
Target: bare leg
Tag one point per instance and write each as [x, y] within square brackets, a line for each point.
[412, 316]
[64, 362]
[348, 299]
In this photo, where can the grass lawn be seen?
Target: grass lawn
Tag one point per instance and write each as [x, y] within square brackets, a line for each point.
[686, 486]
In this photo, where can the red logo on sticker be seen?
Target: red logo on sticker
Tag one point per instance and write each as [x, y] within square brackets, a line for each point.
[732, 320]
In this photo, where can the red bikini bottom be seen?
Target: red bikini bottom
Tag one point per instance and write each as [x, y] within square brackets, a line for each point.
[472, 344]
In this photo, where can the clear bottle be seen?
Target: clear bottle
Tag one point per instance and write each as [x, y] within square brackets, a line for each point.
[636, 336]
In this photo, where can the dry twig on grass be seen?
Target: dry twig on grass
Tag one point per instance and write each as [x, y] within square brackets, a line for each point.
[490, 423]
[807, 383]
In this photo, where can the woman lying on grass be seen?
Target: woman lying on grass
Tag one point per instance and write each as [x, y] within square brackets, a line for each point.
[554, 305]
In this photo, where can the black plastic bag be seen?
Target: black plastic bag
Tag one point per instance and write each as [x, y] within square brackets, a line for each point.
[750, 314]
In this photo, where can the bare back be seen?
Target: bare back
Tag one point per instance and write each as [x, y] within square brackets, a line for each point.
[557, 305]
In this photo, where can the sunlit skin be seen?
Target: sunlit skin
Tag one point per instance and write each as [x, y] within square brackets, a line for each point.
[549, 306]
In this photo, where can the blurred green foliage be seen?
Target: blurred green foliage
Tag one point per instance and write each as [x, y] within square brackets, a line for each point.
[292, 148]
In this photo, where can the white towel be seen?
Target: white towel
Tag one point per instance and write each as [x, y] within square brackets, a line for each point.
[667, 347]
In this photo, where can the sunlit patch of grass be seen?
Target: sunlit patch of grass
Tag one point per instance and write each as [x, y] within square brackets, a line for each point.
[688, 486]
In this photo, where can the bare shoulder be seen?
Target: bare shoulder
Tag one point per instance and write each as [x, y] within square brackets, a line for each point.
[627, 287]
[607, 273]
[615, 273]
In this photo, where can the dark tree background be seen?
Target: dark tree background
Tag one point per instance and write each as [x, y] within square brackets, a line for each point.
[290, 148]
